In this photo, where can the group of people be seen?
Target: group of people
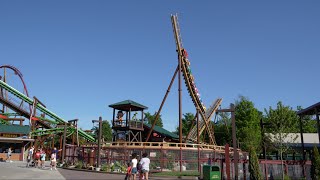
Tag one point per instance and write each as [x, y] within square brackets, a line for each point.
[140, 169]
[37, 158]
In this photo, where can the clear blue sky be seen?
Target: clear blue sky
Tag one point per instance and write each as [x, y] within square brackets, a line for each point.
[78, 57]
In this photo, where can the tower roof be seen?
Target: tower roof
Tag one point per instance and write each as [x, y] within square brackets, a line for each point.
[127, 105]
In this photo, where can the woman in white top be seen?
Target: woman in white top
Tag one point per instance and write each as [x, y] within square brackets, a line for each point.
[134, 163]
[145, 162]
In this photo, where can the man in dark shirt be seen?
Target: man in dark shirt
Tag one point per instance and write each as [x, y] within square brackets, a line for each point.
[56, 152]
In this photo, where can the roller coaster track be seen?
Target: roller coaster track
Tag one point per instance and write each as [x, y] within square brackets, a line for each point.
[189, 81]
[38, 106]
[209, 112]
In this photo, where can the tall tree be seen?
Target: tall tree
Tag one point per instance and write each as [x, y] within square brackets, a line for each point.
[187, 123]
[247, 123]
[283, 121]
[309, 123]
[106, 131]
[222, 129]
[150, 118]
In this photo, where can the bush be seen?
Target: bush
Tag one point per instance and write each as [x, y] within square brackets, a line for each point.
[254, 165]
[79, 165]
[105, 167]
[315, 164]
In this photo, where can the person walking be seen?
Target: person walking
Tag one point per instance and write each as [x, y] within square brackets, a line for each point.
[53, 163]
[145, 162]
[30, 156]
[42, 158]
[37, 159]
[9, 155]
[134, 163]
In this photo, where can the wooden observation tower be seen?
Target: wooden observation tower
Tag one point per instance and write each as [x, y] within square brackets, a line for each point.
[126, 125]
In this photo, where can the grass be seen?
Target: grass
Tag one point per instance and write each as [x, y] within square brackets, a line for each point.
[174, 173]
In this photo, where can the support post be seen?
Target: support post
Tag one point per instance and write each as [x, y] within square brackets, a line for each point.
[318, 122]
[227, 161]
[162, 103]
[234, 141]
[64, 142]
[302, 145]
[198, 140]
[99, 143]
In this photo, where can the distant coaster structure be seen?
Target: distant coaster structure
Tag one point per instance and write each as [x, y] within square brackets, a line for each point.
[43, 122]
[205, 113]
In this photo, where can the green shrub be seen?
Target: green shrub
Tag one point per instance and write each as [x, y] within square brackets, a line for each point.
[79, 165]
[105, 167]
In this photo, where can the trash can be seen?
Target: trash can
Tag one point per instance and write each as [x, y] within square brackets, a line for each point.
[211, 172]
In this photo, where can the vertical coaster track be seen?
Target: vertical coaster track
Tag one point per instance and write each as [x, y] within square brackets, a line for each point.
[193, 91]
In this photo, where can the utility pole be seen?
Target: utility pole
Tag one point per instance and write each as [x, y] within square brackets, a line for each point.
[99, 141]
[64, 142]
[234, 141]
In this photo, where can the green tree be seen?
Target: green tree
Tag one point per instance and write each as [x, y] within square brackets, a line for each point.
[247, 123]
[315, 164]
[222, 129]
[150, 118]
[254, 165]
[106, 131]
[283, 121]
[187, 123]
[309, 124]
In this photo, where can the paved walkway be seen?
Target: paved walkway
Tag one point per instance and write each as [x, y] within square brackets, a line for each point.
[18, 170]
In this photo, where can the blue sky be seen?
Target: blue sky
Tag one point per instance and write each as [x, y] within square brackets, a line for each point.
[78, 57]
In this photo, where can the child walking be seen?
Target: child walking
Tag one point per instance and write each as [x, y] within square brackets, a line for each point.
[53, 161]
[128, 175]
[43, 159]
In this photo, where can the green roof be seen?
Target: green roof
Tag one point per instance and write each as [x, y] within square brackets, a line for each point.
[128, 105]
[163, 131]
[14, 129]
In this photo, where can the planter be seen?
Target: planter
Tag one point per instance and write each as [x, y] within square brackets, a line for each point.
[98, 169]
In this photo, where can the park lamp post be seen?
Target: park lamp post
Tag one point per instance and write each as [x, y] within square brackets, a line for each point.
[99, 141]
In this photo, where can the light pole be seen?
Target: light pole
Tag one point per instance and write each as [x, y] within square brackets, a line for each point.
[99, 141]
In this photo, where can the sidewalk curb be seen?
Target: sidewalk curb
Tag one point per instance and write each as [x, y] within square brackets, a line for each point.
[151, 175]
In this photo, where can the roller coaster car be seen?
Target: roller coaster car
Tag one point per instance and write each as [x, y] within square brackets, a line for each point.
[184, 53]
[187, 62]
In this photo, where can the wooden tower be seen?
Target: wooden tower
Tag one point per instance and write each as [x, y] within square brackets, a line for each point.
[126, 125]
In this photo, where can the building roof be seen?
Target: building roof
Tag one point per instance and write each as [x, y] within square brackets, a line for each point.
[308, 138]
[311, 110]
[14, 129]
[128, 105]
[161, 130]
[20, 140]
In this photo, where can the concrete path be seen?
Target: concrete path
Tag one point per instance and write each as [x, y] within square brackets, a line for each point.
[18, 170]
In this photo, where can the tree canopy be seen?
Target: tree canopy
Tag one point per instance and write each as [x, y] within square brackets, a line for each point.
[247, 123]
[151, 118]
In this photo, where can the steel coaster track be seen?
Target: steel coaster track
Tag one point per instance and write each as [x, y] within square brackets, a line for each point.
[41, 108]
[21, 112]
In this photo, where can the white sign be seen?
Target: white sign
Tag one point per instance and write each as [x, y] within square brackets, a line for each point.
[153, 154]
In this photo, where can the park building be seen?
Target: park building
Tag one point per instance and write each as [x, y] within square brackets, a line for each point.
[292, 142]
[16, 137]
